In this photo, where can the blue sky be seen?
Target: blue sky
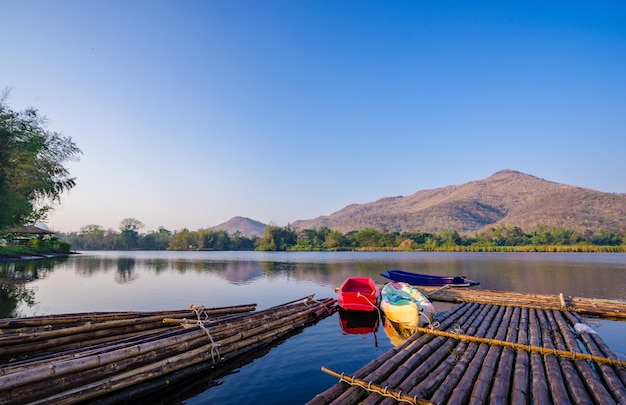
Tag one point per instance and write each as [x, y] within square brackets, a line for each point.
[193, 112]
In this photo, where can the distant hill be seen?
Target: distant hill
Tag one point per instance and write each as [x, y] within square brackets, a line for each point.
[507, 196]
[246, 226]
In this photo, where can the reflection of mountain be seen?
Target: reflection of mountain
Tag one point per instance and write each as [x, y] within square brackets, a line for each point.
[241, 272]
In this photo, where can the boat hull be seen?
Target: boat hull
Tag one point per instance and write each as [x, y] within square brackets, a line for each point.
[358, 294]
[406, 305]
[428, 280]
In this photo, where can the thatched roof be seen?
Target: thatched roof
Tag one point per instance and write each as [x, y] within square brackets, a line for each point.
[29, 229]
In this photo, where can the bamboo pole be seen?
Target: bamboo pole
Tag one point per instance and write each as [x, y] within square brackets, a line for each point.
[463, 391]
[589, 306]
[589, 376]
[609, 374]
[259, 317]
[411, 346]
[149, 350]
[426, 386]
[335, 390]
[521, 375]
[399, 371]
[531, 348]
[172, 364]
[540, 390]
[443, 392]
[485, 377]
[47, 320]
[398, 396]
[553, 371]
[572, 381]
[503, 369]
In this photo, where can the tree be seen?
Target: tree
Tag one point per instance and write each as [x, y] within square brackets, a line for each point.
[334, 240]
[130, 224]
[130, 235]
[32, 171]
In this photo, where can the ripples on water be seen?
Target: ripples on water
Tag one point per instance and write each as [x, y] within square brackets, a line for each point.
[290, 372]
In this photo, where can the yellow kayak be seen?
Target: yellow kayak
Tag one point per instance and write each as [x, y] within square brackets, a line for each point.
[406, 305]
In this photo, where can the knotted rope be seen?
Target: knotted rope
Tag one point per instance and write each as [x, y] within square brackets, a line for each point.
[201, 313]
[371, 387]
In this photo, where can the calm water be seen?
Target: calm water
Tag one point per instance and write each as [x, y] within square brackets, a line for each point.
[289, 372]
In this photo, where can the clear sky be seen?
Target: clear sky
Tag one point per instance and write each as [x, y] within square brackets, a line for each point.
[192, 112]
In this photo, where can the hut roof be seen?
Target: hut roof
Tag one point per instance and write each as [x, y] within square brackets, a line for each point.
[30, 229]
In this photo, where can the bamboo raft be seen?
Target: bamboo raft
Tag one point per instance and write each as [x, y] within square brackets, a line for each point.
[484, 353]
[586, 306]
[113, 357]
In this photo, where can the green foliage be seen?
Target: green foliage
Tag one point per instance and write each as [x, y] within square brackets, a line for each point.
[277, 239]
[499, 238]
[32, 171]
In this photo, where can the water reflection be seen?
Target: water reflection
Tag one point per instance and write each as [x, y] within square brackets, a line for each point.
[594, 275]
[358, 322]
[145, 281]
[14, 279]
[396, 332]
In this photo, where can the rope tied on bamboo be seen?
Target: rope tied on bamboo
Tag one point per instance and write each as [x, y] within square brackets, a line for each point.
[199, 311]
[370, 387]
[445, 287]
[311, 299]
[529, 348]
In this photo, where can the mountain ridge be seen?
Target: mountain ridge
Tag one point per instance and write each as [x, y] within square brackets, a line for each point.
[507, 196]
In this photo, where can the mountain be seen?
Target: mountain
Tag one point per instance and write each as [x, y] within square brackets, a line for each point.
[246, 226]
[507, 196]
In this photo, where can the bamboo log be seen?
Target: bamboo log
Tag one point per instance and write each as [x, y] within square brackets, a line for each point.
[426, 386]
[463, 391]
[485, 377]
[589, 377]
[589, 306]
[118, 356]
[443, 392]
[553, 371]
[413, 344]
[540, 391]
[573, 383]
[92, 333]
[95, 325]
[334, 391]
[397, 396]
[503, 370]
[171, 364]
[520, 393]
[399, 372]
[609, 374]
[13, 323]
[259, 317]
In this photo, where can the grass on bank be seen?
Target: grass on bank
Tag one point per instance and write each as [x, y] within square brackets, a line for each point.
[34, 248]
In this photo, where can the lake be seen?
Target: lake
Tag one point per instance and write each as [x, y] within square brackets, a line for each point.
[288, 373]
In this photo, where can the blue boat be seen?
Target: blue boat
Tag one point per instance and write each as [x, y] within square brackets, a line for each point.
[428, 280]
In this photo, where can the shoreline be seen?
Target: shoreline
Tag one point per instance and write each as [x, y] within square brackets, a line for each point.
[34, 256]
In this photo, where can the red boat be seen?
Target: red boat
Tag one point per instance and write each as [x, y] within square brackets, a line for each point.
[358, 294]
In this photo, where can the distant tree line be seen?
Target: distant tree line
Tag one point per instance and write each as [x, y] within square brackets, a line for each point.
[500, 237]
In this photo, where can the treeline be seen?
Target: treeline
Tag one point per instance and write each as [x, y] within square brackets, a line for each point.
[501, 237]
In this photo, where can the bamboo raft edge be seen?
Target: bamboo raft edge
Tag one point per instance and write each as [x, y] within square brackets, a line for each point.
[603, 308]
